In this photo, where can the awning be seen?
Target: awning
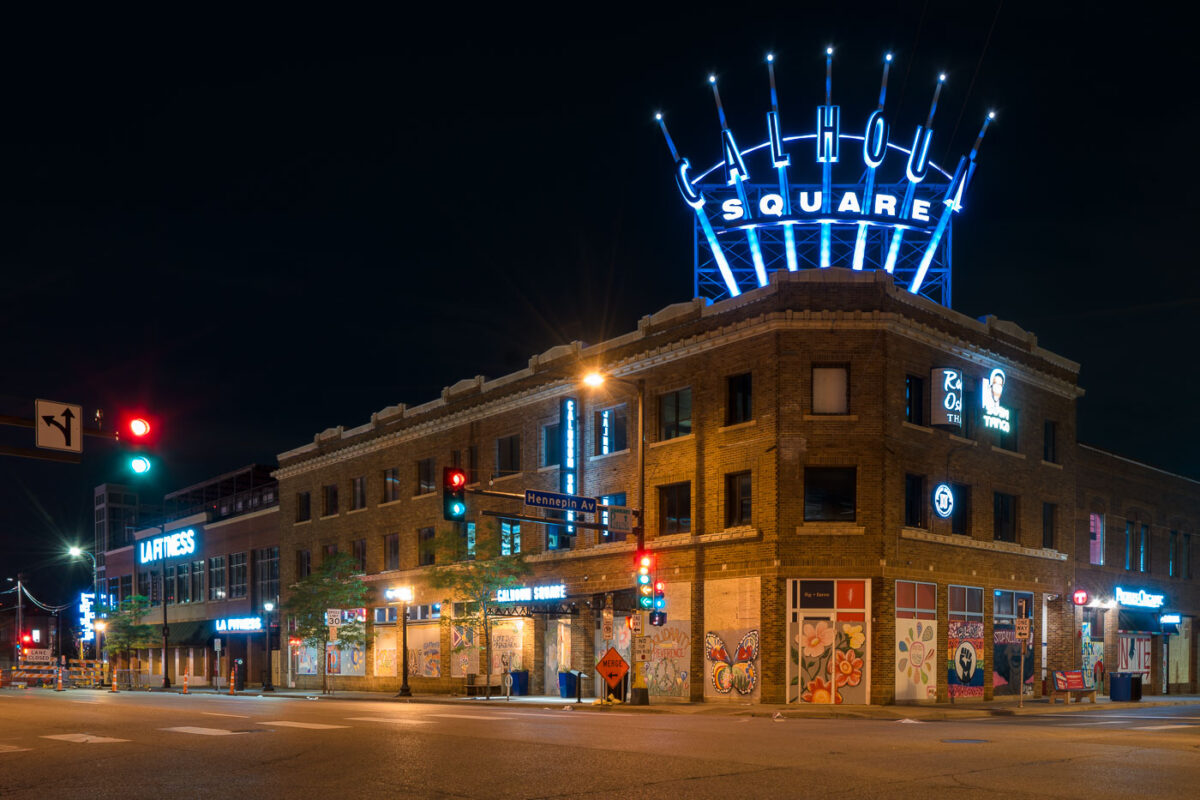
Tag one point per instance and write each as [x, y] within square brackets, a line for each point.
[195, 633]
[1138, 621]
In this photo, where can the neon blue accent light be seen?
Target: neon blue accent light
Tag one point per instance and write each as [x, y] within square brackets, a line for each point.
[829, 119]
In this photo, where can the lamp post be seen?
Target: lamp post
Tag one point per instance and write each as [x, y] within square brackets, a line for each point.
[76, 552]
[403, 595]
[268, 684]
[639, 693]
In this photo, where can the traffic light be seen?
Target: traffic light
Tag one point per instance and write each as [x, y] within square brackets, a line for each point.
[138, 432]
[658, 618]
[645, 584]
[660, 595]
[454, 494]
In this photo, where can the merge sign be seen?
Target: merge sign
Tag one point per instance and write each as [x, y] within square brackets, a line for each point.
[612, 668]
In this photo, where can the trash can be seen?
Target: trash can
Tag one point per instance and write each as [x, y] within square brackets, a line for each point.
[1120, 686]
[520, 683]
[566, 684]
[1135, 686]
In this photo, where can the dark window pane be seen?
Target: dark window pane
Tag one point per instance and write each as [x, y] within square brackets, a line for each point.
[738, 404]
[830, 494]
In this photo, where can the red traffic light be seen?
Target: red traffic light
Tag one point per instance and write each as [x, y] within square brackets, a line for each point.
[455, 478]
[26, 638]
[139, 427]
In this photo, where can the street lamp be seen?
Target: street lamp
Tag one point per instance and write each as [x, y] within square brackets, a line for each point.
[639, 694]
[76, 552]
[404, 596]
[268, 684]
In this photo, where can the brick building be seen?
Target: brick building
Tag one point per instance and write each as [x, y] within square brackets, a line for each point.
[851, 494]
[214, 559]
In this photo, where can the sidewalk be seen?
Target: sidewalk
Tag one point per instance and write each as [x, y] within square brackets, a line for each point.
[923, 711]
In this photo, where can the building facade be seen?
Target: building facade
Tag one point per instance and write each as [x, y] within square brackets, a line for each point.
[851, 495]
[208, 568]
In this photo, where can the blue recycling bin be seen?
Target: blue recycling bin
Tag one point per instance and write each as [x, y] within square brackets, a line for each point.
[567, 684]
[520, 681]
[1120, 686]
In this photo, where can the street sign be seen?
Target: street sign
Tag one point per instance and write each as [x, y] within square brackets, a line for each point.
[333, 616]
[641, 648]
[637, 622]
[606, 625]
[560, 502]
[58, 426]
[333, 633]
[620, 519]
[217, 645]
[37, 656]
[612, 668]
[1023, 627]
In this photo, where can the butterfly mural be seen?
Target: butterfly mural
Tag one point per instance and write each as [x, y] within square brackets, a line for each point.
[738, 672]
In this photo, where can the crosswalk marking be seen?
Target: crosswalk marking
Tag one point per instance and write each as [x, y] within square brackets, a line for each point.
[218, 714]
[393, 720]
[1161, 727]
[83, 738]
[12, 748]
[1086, 724]
[283, 723]
[202, 731]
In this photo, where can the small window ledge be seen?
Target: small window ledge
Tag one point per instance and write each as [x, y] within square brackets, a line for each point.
[1012, 453]
[664, 442]
[730, 534]
[423, 496]
[912, 426]
[1051, 464]
[297, 524]
[328, 516]
[830, 529]
[955, 540]
[387, 503]
[547, 468]
[602, 456]
[506, 477]
[737, 426]
[830, 417]
[356, 510]
[962, 439]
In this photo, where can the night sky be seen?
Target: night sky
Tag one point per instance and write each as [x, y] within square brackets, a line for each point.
[261, 228]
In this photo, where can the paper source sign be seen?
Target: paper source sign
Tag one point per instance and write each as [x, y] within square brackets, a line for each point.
[945, 397]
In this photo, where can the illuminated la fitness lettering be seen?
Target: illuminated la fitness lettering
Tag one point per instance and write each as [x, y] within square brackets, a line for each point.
[812, 202]
[178, 543]
[995, 416]
[1140, 598]
[240, 624]
[525, 594]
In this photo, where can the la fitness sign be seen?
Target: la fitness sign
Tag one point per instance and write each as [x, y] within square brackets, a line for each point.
[170, 545]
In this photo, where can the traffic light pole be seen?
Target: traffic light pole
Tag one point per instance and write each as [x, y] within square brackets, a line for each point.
[20, 612]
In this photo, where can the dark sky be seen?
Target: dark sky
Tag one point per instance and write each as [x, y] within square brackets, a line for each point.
[262, 227]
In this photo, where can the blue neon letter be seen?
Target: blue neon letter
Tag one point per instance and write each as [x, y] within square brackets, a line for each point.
[780, 158]
[875, 140]
[918, 159]
[829, 121]
[735, 168]
[690, 194]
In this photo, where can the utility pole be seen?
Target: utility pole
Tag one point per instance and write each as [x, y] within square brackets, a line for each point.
[20, 608]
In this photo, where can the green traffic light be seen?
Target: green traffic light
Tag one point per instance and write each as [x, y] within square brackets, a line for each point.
[139, 464]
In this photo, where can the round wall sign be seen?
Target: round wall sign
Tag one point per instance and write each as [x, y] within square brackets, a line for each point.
[943, 500]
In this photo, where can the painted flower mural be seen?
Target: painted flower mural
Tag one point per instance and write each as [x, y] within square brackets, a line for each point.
[820, 691]
[816, 638]
[854, 635]
[829, 657]
[847, 668]
[916, 679]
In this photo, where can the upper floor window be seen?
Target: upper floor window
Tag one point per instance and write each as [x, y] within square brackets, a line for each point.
[328, 551]
[675, 508]
[914, 500]
[358, 492]
[508, 454]
[468, 544]
[960, 516]
[739, 404]
[1144, 549]
[330, 498]
[216, 577]
[1049, 511]
[964, 603]
[612, 430]
[1050, 442]
[391, 485]
[1004, 517]
[510, 538]
[617, 499]
[1096, 539]
[674, 414]
[830, 494]
[831, 389]
[1186, 561]
[358, 549]
[426, 552]
[551, 445]
[303, 506]
[391, 551]
[425, 482]
[1172, 564]
[738, 506]
[1128, 545]
[1011, 439]
[914, 397]
[237, 575]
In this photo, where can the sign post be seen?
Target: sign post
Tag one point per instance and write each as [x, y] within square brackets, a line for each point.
[1022, 625]
[612, 668]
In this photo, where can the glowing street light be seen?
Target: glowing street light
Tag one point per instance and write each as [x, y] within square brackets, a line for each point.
[404, 596]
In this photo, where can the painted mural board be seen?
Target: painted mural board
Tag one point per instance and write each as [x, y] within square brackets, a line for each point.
[916, 659]
[385, 652]
[964, 659]
[668, 672]
[425, 651]
[731, 639]
[828, 642]
[1091, 658]
[506, 645]
[1006, 660]
[464, 653]
[1133, 655]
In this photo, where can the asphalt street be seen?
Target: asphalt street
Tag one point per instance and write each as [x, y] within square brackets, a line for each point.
[97, 745]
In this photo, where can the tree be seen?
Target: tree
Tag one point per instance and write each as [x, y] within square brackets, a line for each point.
[473, 574]
[337, 584]
[126, 631]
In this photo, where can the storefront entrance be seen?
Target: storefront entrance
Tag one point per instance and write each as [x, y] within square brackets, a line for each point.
[829, 635]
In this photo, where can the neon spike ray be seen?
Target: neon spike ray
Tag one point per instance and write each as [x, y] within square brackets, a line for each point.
[825, 198]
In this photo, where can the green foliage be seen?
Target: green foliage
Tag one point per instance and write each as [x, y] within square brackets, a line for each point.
[126, 631]
[474, 581]
[336, 584]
